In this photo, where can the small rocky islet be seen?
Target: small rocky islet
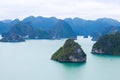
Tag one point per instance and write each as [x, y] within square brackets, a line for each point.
[108, 44]
[70, 52]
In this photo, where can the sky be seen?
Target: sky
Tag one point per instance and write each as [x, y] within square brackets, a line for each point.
[86, 9]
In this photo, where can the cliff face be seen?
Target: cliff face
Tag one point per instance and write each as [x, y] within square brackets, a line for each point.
[69, 52]
[108, 44]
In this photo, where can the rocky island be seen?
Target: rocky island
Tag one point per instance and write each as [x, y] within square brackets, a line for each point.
[69, 52]
[13, 38]
[108, 44]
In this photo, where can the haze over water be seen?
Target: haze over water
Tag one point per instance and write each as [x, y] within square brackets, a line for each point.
[30, 60]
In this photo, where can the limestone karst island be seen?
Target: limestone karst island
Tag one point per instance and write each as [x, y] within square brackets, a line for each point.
[69, 52]
[108, 44]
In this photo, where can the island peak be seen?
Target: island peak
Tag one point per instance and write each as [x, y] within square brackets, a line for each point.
[70, 52]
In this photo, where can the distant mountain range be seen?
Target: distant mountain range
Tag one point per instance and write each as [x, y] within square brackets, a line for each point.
[53, 28]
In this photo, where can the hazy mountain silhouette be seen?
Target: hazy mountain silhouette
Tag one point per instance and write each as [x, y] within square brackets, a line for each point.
[53, 28]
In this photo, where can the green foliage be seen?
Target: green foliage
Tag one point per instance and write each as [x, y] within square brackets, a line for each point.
[68, 49]
[109, 44]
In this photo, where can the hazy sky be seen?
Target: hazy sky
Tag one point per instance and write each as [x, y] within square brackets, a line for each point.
[86, 9]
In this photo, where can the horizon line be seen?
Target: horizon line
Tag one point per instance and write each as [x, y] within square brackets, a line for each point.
[94, 19]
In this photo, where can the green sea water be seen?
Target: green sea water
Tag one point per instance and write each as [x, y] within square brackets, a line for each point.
[30, 60]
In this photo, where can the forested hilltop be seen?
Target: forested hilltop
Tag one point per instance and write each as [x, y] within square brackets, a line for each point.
[108, 44]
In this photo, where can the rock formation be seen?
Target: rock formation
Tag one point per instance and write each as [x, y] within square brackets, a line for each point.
[70, 52]
[108, 44]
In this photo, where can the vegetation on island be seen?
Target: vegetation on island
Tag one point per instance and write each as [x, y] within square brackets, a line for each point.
[108, 44]
[70, 52]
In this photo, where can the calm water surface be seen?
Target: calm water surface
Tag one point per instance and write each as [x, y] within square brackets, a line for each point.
[30, 60]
